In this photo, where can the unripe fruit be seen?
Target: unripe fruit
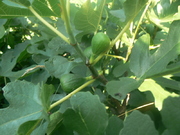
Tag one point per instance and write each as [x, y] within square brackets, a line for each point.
[100, 43]
[70, 82]
[88, 51]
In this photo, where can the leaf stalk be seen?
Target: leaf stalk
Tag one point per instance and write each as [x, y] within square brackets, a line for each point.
[71, 94]
[49, 25]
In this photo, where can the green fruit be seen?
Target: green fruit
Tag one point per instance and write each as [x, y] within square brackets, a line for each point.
[88, 51]
[70, 82]
[100, 43]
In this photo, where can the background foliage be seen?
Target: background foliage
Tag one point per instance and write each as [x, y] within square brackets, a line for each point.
[132, 89]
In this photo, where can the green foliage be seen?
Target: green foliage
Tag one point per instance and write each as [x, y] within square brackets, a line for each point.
[51, 82]
[27, 102]
[85, 119]
[138, 124]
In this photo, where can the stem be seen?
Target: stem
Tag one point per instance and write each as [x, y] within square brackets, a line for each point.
[34, 127]
[120, 34]
[140, 20]
[115, 56]
[67, 22]
[80, 52]
[97, 59]
[71, 94]
[166, 72]
[65, 17]
[49, 25]
[152, 103]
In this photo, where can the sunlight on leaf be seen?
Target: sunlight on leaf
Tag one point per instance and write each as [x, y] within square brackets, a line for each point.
[87, 19]
[43, 7]
[158, 92]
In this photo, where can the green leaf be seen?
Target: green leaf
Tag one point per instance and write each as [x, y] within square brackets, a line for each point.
[138, 98]
[9, 59]
[46, 93]
[119, 89]
[115, 124]
[55, 47]
[28, 128]
[119, 14]
[132, 8]
[120, 69]
[25, 104]
[2, 31]
[58, 46]
[2, 21]
[169, 83]
[88, 115]
[140, 56]
[43, 7]
[138, 124]
[158, 92]
[55, 119]
[167, 9]
[87, 19]
[168, 51]
[58, 66]
[170, 115]
[18, 3]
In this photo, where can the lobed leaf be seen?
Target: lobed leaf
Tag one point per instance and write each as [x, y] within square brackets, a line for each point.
[88, 115]
[9, 59]
[43, 7]
[132, 8]
[87, 19]
[156, 63]
[55, 119]
[140, 56]
[58, 66]
[26, 103]
[138, 124]
[28, 128]
[115, 124]
[170, 115]
[119, 89]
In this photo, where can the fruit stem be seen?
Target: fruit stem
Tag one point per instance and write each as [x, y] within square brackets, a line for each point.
[71, 94]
